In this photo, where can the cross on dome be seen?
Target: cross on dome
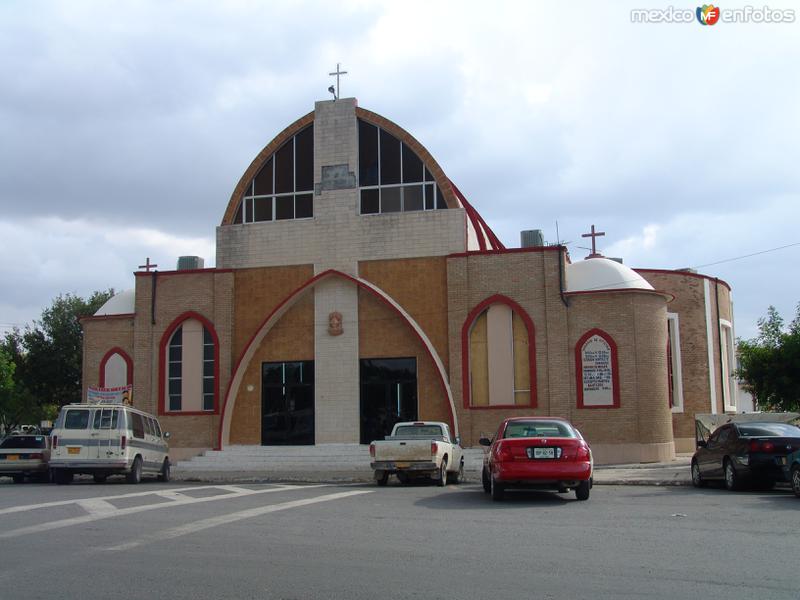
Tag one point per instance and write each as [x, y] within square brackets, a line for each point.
[594, 234]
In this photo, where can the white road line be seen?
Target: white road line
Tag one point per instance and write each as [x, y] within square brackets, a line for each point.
[236, 488]
[27, 507]
[170, 495]
[32, 529]
[203, 524]
[96, 506]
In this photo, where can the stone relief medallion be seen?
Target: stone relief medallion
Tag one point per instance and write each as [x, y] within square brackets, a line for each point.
[335, 323]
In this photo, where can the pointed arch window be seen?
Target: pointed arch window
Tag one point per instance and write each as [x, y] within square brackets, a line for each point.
[190, 367]
[116, 369]
[498, 354]
[283, 188]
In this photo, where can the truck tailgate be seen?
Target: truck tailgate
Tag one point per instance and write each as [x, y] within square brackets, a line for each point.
[403, 450]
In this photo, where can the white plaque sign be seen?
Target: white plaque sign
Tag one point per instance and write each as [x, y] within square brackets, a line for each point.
[597, 375]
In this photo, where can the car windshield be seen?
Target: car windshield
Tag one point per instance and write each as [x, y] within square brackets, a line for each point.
[528, 429]
[425, 431]
[769, 430]
[25, 441]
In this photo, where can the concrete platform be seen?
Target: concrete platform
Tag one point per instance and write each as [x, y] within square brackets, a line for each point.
[349, 463]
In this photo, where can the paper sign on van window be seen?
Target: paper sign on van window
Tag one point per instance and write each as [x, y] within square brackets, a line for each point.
[115, 395]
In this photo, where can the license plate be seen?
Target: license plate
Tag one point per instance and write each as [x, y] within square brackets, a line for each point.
[73, 450]
[402, 465]
[541, 452]
[12, 457]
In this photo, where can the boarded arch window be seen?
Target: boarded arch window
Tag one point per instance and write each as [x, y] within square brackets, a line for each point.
[596, 370]
[116, 369]
[498, 356]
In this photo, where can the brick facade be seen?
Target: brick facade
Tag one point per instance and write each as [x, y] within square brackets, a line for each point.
[405, 286]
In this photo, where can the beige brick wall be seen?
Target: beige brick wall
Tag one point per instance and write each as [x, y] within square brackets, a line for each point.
[690, 305]
[101, 334]
[208, 293]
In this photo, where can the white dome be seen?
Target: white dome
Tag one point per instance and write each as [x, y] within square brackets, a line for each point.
[596, 274]
[120, 304]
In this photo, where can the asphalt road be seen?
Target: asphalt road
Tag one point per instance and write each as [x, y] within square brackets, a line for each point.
[176, 541]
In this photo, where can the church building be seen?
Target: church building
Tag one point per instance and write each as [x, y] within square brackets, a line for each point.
[356, 286]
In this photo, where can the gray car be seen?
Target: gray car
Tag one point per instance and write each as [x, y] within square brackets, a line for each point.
[25, 456]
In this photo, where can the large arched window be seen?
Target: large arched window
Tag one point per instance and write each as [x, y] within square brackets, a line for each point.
[116, 369]
[283, 188]
[596, 370]
[391, 177]
[189, 367]
[498, 354]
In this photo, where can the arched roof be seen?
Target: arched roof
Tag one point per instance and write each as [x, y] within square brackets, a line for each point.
[595, 274]
[119, 304]
[479, 235]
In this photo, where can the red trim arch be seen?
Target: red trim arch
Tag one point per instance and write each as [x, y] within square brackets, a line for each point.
[266, 325]
[614, 368]
[162, 368]
[107, 356]
[465, 328]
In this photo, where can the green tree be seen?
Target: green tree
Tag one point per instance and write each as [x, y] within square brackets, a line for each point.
[48, 357]
[770, 363]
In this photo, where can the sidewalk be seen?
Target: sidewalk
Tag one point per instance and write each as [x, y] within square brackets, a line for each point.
[674, 472]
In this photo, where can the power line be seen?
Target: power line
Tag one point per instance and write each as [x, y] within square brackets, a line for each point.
[719, 262]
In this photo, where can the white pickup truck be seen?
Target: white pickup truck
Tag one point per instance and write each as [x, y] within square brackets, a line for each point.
[415, 449]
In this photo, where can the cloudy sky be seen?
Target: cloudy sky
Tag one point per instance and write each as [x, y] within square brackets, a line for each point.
[124, 127]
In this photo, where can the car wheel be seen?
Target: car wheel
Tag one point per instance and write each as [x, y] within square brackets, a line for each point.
[135, 476]
[99, 478]
[458, 476]
[697, 479]
[498, 490]
[582, 491]
[487, 485]
[165, 474]
[18, 478]
[402, 478]
[732, 479]
[383, 478]
[442, 473]
[795, 478]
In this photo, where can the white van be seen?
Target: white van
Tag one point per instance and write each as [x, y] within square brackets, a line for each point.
[107, 439]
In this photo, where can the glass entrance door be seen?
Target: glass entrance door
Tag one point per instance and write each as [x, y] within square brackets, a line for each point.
[388, 395]
[287, 403]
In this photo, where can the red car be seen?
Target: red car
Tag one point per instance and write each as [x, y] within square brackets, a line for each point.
[545, 453]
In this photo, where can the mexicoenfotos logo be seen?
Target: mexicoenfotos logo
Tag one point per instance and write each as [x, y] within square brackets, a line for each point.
[708, 14]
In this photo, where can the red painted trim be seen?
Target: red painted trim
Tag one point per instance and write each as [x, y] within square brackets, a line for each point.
[125, 357]
[614, 368]
[482, 230]
[162, 364]
[505, 251]
[210, 271]
[106, 317]
[292, 296]
[474, 313]
[684, 273]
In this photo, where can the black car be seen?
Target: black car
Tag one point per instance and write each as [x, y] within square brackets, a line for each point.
[792, 471]
[742, 454]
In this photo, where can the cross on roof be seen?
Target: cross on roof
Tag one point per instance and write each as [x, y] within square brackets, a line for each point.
[337, 72]
[147, 265]
[594, 234]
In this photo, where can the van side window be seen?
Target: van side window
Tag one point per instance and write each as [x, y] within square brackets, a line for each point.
[76, 419]
[137, 424]
[158, 428]
[148, 426]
